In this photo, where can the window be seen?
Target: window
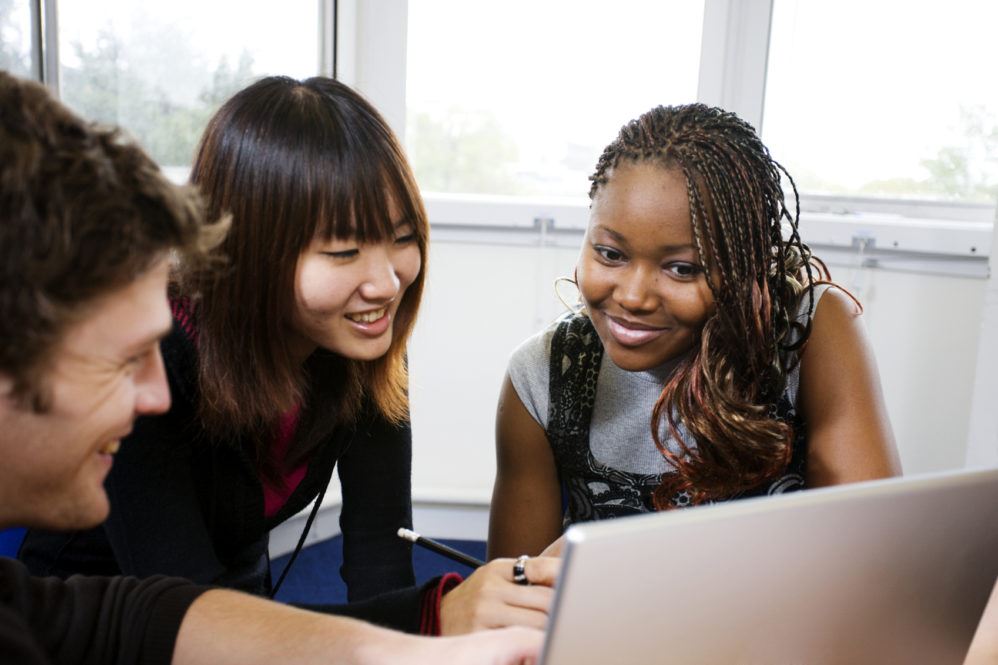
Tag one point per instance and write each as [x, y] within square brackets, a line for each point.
[161, 69]
[520, 97]
[15, 38]
[885, 99]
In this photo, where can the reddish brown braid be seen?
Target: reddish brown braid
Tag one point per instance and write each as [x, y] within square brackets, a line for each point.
[725, 392]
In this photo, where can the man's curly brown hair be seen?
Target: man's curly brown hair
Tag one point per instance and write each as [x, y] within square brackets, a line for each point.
[82, 213]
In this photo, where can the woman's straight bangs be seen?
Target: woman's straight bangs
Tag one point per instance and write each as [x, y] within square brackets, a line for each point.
[360, 191]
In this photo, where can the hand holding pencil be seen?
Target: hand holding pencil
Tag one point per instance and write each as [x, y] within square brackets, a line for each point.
[490, 598]
[502, 592]
[439, 548]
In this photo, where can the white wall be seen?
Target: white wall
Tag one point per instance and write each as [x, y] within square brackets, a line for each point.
[924, 330]
[982, 443]
[481, 301]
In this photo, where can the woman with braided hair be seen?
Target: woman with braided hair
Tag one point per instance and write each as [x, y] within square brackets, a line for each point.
[710, 359]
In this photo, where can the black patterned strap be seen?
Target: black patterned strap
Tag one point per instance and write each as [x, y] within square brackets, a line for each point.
[593, 490]
[575, 358]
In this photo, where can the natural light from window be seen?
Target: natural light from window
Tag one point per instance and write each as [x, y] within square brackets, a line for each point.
[15, 38]
[889, 99]
[161, 69]
[519, 97]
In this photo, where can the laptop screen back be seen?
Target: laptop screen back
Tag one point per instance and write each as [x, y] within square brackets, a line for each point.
[894, 571]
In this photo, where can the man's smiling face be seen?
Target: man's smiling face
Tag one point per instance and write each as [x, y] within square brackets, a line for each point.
[105, 372]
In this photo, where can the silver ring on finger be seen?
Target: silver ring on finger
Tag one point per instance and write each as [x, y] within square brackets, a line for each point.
[520, 570]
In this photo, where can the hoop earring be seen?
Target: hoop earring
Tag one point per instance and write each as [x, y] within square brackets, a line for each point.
[573, 280]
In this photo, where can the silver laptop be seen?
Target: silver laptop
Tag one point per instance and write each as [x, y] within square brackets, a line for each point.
[880, 573]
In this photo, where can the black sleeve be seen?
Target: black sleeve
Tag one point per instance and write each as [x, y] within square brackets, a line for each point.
[399, 610]
[17, 645]
[119, 620]
[375, 472]
[157, 525]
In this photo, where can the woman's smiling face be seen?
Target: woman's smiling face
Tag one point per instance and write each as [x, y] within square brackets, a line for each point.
[347, 293]
[639, 273]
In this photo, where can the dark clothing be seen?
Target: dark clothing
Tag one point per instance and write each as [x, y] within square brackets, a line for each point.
[115, 620]
[183, 504]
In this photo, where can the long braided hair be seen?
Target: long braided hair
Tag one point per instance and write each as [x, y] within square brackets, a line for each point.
[725, 392]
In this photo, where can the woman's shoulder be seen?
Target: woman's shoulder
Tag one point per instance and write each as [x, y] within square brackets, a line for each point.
[536, 349]
[528, 370]
[838, 306]
[808, 306]
[529, 366]
[533, 348]
[836, 314]
[809, 301]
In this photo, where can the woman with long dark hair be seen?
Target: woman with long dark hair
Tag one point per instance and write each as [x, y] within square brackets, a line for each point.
[286, 359]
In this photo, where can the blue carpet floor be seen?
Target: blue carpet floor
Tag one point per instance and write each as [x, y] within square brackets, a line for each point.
[315, 577]
[10, 540]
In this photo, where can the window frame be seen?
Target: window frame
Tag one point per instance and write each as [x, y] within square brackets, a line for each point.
[45, 40]
[371, 55]
[364, 44]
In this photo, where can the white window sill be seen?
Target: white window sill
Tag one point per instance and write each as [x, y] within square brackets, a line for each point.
[868, 231]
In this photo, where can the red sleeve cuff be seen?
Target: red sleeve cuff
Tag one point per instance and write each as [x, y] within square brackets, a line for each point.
[429, 621]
